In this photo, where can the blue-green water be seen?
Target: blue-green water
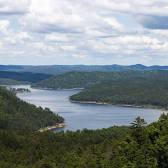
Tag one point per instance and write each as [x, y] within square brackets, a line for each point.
[90, 116]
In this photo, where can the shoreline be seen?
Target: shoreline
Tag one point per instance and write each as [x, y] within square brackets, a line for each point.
[147, 106]
[119, 105]
[50, 128]
[58, 89]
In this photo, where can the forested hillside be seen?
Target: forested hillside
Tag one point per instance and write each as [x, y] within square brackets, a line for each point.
[85, 79]
[151, 90]
[117, 147]
[137, 146]
[8, 77]
[18, 115]
[73, 80]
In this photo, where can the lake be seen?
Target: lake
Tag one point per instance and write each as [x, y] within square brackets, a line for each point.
[90, 116]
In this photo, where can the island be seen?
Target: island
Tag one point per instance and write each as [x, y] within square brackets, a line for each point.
[20, 90]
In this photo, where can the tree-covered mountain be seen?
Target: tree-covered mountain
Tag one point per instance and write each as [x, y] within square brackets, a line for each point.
[74, 80]
[21, 77]
[16, 114]
[129, 91]
[84, 79]
[60, 69]
[131, 88]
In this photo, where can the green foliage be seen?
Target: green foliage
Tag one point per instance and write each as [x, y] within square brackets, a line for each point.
[8, 77]
[84, 79]
[148, 88]
[73, 80]
[17, 114]
[138, 131]
[137, 146]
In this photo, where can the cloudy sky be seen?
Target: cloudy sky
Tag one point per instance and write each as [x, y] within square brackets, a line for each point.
[84, 32]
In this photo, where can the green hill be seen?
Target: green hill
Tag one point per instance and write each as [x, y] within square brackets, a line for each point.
[9, 77]
[84, 79]
[73, 80]
[148, 88]
[19, 115]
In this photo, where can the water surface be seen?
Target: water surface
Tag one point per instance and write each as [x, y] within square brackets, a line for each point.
[90, 116]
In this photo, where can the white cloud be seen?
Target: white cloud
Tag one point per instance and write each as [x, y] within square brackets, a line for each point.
[4, 25]
[14, 7]
[86, 30]
[57, 37]
[114, 23]
[145, 7]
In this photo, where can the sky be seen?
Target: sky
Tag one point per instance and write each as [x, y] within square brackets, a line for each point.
[47, 32]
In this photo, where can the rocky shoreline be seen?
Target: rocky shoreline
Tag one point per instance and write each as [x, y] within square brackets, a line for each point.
[119, 105]
[50, 128]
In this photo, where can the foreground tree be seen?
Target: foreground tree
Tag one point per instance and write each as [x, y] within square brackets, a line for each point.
[138, 130]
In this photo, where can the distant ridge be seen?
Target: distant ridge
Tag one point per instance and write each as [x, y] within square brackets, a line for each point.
[22, 76]
[60, 69]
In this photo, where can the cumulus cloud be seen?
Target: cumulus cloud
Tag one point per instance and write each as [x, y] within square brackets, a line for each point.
[14, 7]
[4, 25]
[91, 31]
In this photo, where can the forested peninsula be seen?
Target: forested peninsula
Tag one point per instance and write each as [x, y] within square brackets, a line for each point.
[134, 88]
[17, 114]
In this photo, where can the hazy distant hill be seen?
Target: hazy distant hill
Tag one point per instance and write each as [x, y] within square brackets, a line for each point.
[22, 76]
[59, 69]
[6, 81]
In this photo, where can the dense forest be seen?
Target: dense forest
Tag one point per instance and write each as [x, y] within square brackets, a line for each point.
[9, 77]
[73, 80]
[22, 146]
[84, 79]
[139, 91]
[137, 146]
[17, 114]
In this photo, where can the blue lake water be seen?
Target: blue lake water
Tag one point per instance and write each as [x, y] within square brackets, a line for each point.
[90, 116]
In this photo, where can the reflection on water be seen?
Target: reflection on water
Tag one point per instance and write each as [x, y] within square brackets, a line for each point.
[91, 116]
